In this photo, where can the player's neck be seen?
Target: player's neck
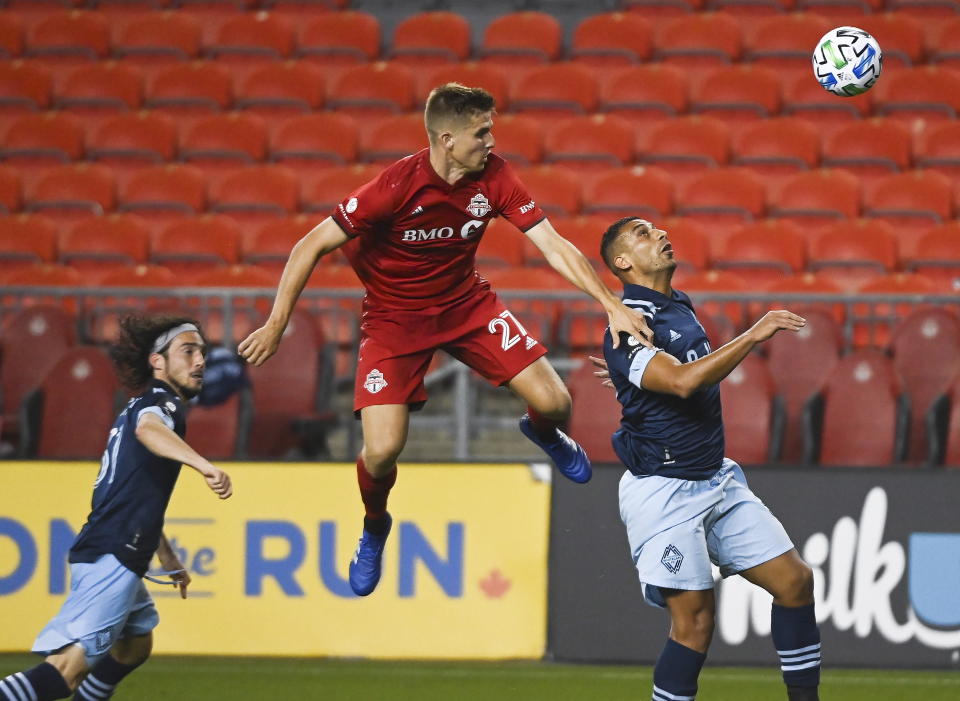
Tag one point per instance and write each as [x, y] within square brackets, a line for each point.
[659, 282]
[448, 169]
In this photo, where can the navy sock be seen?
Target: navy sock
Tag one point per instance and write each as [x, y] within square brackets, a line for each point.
[43, 683]
[102, 680]
[675, 675]
[797, 640]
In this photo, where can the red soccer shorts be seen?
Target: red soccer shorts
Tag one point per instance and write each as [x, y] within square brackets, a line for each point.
[396, 347]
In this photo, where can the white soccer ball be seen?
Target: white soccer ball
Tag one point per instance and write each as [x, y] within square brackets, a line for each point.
[847, 61]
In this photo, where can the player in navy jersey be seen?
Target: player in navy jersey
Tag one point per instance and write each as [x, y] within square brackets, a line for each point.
[104, 628]
[684, 504]
[411, 234]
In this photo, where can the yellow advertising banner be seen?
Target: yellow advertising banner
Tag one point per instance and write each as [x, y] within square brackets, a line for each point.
[465, 569]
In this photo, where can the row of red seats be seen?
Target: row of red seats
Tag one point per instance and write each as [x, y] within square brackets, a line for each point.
[60, 398]
[445, 37]
[804, 401]
[853, 251]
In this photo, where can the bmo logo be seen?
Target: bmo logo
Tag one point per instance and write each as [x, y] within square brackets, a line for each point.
[443, 232]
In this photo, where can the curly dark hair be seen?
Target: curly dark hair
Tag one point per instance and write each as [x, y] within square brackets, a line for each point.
[131, 352]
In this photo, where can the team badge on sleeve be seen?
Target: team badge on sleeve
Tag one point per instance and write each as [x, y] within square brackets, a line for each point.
[479, 205]
[375, 381]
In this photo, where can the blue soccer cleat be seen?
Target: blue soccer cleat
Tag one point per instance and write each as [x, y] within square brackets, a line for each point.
[565, 452]
[366, 564]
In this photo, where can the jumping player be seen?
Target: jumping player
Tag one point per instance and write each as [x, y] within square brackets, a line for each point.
[411, 235]
[104, 628]
[684, 504]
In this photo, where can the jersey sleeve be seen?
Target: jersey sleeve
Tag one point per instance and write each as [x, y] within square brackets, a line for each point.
[164, 406]
[365, 207]
[514, 201]
[629, 359]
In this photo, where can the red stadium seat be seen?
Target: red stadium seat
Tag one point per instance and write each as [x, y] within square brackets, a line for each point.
[11, 36]
[643, 93]
[42, 140]
[394, 138]
[924, 9]
[75, 190]
[726, 313]
[776, 148]
[688, 146]
[281, 89]
[630, 192]
[372, 89]
[815, 198]
[519, 139]
[806, 98]
[105, 243]
[100, 87]
[945, 48]
[69, 36]
[785, 42]
[158, 38]
[340, 38]
[752, 9]
[24, 87]
[762, 252]
[10, 191]
[752, 424]
[582, 231]
[255, 36]
[431, 37]
[224, 141]
[864, 421]
[870, 149]
[323, 192]
[166, 191]
[522, 37]
[101, 318]
[269, 246]
[256, 193]
[490, 77]
[900, 35]
[76, 406]
[555, 190]
[26, 240]
[690, 241]
[840, 8]
[246, 313]
[663, 8]
[799, 365]
[140, 276]
[937, 256]
[854, 251]
[220, 432]
[555, 90]
[913, 202]
[927, 92]
[938, 148]
[877, 316]
[194, 244]
[596, 413]
[196, 88]
[45, 275]
[590, 144]
[699, 40]
[738, 94]
[723, 199]
[926, 354]
[133, 141]
[612, 39]
[32, 340]
[289, 393]
[315, 141]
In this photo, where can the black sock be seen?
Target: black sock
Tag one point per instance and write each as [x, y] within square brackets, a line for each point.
[676, 672]
[376, 526]
[102, 680]
[43, 683]
[797, 639]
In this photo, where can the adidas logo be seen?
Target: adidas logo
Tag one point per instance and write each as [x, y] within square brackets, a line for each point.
[674, 335]
[417, 211]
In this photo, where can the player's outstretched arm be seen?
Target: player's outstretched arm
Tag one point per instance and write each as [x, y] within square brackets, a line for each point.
[667, 375]
[160, 440]
[322, 239]
[171, 563]
[567, 260]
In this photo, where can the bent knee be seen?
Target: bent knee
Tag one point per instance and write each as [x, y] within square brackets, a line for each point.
[797, 588]
[554, 403]
[695, 631]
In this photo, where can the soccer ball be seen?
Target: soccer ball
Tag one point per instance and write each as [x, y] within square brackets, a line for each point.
[847, 61]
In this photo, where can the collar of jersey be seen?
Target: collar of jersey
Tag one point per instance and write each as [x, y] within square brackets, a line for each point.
[160, 384]
[640, 292]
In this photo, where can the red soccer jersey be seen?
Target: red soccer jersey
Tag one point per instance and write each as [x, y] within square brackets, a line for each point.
[415, 236]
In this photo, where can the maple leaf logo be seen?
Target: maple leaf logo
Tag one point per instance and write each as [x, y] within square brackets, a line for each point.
[495, 585]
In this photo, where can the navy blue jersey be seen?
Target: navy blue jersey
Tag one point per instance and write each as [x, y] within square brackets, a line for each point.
[133, 488]
[664, 434]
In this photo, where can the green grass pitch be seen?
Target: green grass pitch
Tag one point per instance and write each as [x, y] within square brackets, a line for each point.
[260, 679]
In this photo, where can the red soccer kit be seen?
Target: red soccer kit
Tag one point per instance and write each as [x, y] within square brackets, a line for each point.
[414, 244]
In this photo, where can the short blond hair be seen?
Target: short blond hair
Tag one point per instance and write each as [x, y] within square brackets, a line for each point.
[453, 102]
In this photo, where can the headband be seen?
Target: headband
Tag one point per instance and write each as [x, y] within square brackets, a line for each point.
[164, 339]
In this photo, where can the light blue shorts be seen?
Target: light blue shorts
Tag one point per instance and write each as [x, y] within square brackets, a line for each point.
[677, 528]
[106, 602]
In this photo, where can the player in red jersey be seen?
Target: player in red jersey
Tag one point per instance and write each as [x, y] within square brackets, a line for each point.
[411, 234]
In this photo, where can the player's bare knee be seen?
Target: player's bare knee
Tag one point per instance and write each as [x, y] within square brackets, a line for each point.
[379, 457]
[133, 651]
[797, 588]
[554, 403]
[695, 630]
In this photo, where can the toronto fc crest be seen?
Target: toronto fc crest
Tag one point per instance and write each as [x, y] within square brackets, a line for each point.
[375, 381]
[479, 205]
